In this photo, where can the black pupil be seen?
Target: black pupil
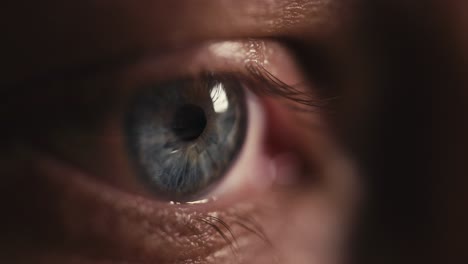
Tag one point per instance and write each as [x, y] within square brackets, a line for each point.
[189, 122]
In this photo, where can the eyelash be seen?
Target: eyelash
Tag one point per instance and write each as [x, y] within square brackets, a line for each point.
[225, 230]
[277, 88]
[262, 83]
[256, 77]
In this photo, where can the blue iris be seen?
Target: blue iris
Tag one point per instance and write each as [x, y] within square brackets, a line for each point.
[184, 135]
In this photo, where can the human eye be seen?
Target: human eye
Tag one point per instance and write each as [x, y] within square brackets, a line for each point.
[192, 156]
[183, 135]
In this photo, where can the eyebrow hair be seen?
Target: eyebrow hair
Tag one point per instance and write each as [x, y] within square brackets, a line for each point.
[80, 32]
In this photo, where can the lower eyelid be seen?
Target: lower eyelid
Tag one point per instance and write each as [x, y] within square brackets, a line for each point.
[123, 224]
[120, 225]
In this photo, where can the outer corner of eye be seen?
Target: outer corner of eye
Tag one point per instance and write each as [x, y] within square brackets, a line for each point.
[193, 139]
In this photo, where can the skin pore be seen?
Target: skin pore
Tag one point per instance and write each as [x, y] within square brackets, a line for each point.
[391, 76]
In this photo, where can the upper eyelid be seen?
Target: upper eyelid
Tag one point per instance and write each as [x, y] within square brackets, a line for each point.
[251, 61]
[146, 216]
[113, 72]
[107, 65]
[89, 92]
[247, 59]
[153, 64]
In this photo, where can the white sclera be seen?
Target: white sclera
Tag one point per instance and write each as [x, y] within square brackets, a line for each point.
[255, 170]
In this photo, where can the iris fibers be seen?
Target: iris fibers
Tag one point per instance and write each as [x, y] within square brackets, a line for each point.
[184, 135]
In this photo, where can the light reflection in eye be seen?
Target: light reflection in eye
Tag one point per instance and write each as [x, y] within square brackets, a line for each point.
[183, 135]
[219, 97]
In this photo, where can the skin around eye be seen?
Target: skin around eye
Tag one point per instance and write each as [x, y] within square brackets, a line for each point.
[91, 194]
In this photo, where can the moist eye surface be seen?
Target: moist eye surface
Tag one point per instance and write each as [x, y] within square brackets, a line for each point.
[184, 135]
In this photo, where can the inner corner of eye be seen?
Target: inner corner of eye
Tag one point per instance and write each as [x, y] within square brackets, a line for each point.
[184, 136]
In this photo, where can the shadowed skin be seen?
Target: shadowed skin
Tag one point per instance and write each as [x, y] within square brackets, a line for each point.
[398, 70]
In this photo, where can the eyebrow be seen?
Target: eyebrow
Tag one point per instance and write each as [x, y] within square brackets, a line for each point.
[82, 32]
